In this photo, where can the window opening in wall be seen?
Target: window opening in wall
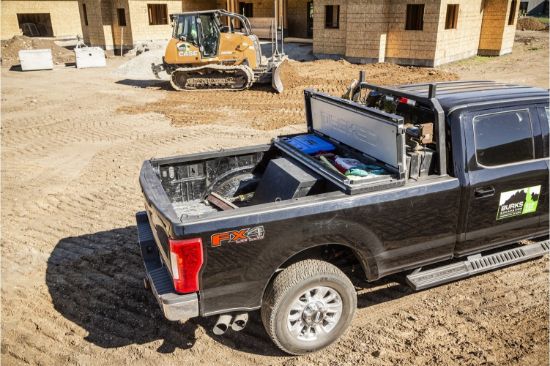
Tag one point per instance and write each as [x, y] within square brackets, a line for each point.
[246, 9]
[121, 16]
[158, 14]
[332, 16]
[523, 6]
[85, 14]
[415, 17]
[451, 19]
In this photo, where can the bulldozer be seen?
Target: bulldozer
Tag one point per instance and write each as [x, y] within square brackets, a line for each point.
[216, 50]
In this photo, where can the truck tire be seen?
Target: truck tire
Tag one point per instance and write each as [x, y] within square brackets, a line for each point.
[308, 306]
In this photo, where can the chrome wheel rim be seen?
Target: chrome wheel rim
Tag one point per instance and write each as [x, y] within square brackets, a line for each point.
[314, 313]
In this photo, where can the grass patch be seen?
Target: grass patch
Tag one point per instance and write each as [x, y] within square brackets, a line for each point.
[475, 60]
[544, 20]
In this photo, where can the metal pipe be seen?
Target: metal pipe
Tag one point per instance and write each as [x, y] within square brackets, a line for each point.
[121, 39]
[222, 325]
[239, 322]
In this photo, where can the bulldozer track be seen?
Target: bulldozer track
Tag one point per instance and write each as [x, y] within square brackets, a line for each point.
[212, 77]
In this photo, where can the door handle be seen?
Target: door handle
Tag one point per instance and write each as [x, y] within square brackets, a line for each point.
[484, 192]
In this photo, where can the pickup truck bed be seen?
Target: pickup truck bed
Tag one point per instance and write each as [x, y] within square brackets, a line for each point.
[485, 188]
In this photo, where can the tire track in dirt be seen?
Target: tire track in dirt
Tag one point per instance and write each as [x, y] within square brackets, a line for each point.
[72, 290]
[263, 109]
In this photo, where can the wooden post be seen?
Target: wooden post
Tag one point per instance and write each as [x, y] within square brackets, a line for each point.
[285, 20]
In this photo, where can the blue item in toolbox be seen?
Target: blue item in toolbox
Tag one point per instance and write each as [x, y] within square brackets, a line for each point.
[310, 144]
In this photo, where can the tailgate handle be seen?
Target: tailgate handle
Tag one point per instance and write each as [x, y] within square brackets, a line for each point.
[484, 192]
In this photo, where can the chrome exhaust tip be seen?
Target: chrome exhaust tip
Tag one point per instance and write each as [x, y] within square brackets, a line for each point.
[239, 322]
[222, 325]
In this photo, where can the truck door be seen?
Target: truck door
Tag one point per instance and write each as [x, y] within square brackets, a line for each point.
[507, 177]
[544, 117]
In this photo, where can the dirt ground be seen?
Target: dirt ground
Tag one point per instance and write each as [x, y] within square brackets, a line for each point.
[527, 64]
[72, 145]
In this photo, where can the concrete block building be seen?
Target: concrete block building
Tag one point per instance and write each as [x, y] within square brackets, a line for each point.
[413, 32]
[47, 18]
[294, 16]
[116, 24]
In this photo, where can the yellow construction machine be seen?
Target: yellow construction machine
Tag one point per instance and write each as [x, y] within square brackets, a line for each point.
[216, 50]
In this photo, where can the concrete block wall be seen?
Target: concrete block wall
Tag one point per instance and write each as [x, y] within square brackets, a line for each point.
[462, 42]
[329, 41]
[261, 8]
[374, 31]
[93, 33]
[141, 30]
[64, 15]
[367, 30]
[103, 29]
[509, 30]
[412, 47]
[497, 37]
[122, 36]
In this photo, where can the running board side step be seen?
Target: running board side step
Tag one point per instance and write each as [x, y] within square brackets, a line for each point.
[473, 265]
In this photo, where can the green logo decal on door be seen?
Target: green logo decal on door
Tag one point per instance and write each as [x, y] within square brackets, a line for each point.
[518, 202]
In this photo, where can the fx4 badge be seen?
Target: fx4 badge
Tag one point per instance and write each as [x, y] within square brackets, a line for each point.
[238, 236]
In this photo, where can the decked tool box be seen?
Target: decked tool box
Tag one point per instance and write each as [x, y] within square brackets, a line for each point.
[366, 134]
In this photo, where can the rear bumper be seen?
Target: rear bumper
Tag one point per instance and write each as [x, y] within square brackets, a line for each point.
[174, 306]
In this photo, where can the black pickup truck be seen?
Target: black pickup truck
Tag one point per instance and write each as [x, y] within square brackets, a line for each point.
[448, 175]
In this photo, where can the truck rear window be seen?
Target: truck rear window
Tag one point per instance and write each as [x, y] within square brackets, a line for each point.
[503, 137]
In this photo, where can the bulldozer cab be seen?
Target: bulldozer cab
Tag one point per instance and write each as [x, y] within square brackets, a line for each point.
[203, 29]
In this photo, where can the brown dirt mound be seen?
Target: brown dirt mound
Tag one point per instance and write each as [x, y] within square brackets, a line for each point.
[262, 109]
[528, 23]
[12, 46]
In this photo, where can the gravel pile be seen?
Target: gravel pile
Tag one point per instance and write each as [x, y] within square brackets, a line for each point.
[139, 67]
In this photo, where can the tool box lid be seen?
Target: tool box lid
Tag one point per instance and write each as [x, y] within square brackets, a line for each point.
[370, 131]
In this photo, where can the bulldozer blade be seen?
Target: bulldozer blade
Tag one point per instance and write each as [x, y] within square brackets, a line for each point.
[276, 82]
[156, 69]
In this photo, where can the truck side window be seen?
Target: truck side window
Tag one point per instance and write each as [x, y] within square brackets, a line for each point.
[503, 137]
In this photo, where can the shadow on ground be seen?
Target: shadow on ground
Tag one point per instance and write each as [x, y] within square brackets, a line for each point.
[96, 281]
[165, 85]
[146, 84]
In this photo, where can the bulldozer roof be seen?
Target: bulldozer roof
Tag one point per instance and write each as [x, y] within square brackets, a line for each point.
[221, 11]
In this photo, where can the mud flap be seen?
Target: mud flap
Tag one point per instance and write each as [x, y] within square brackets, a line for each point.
[276, 82]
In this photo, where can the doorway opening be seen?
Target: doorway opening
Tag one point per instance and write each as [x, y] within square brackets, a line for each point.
[35, 24]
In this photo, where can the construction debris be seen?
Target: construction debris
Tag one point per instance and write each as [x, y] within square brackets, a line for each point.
[12, 46]
[530, 23]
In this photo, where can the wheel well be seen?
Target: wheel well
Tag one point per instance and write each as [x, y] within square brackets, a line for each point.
[341, 256]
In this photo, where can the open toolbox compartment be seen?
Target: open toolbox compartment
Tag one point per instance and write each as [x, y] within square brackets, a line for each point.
[367, 134]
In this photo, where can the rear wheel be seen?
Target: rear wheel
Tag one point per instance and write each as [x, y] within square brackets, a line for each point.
[308, 306]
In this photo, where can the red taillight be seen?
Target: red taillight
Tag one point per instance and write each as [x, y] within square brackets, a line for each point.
[186, 259]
